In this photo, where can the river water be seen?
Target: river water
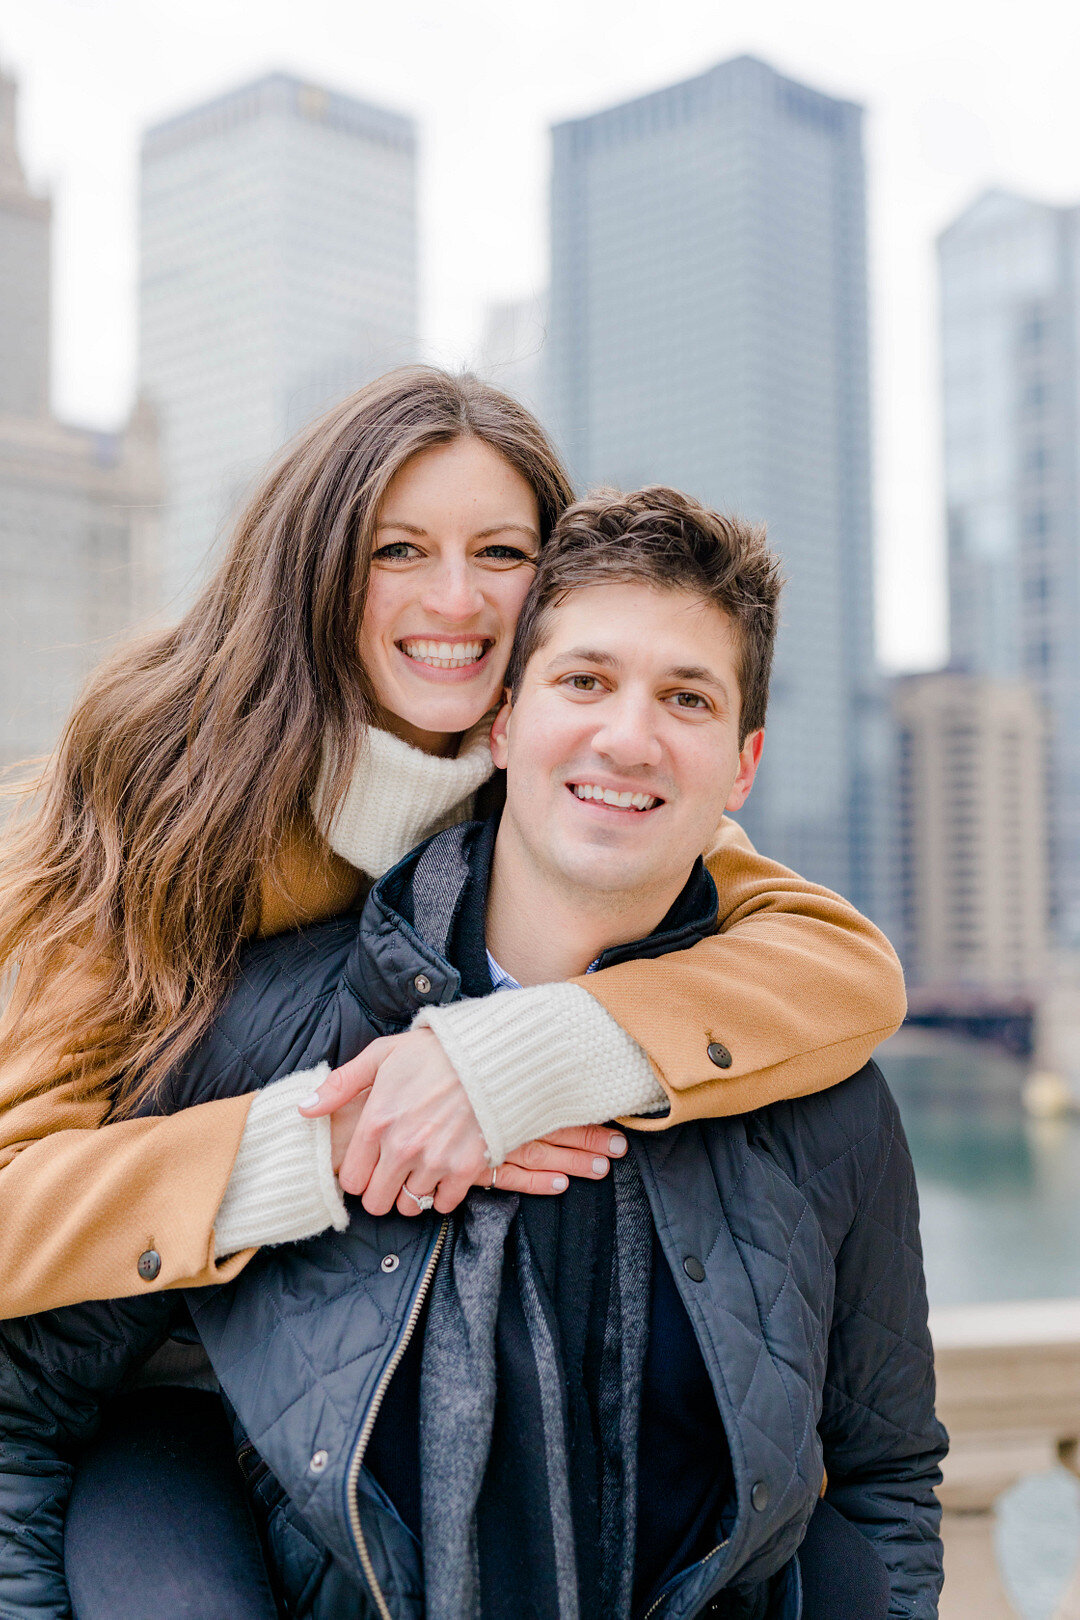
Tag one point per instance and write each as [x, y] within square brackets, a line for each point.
[1000, 1201]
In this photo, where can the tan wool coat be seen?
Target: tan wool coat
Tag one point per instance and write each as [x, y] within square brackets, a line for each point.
[796, 985]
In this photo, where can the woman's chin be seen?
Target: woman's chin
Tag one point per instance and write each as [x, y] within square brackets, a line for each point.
[425, 723]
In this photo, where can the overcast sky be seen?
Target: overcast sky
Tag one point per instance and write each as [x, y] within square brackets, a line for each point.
[960, 95]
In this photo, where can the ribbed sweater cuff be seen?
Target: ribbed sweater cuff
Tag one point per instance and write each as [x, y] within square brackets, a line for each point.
[282, 1186]
[534, 1061]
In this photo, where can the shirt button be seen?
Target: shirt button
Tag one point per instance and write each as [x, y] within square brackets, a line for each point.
[719, 1055]
[759, 1497]
[318, 1463]
[694, 1268]
[149, 1265]
[422, 984]
[389, 1262]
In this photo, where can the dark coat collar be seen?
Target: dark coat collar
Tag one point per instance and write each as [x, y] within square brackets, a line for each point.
[427, 915]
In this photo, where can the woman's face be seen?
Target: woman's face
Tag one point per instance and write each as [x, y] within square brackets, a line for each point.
[457, 537]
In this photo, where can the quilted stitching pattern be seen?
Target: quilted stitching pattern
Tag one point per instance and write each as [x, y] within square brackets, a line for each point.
[812, 1316]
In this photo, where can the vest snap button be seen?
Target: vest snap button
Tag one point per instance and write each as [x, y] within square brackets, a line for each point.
[389, 1262]
[694, 1268]
[318, 1463]
[759, 1497]
[422, 984]
[719, 1055]
[149, 1265]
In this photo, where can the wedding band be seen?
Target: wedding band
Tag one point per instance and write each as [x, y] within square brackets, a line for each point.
[421, 1200]
[493, 1183]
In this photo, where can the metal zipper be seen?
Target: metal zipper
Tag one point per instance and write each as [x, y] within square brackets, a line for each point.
[666, 1593]
[356, 1461]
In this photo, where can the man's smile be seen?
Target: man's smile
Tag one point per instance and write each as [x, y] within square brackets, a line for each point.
[613, 798]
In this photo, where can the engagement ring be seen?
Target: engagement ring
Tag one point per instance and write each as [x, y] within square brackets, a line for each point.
[421, 1200]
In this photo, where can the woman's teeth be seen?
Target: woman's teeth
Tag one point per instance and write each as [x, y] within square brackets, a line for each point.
[444, 654]
[622, 801]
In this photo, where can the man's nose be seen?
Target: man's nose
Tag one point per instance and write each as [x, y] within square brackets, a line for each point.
[627, 734]
[454, 593]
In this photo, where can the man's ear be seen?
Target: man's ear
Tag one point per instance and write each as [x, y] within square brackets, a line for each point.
[500, 747]
[749, 760]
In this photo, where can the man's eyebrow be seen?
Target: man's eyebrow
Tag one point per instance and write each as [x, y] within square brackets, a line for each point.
[584, 655]
[696, 672]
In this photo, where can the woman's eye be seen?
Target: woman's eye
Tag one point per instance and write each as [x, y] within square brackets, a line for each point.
[512, 554]
[396, 551]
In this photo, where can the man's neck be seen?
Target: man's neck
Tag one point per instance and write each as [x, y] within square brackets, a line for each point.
[541, 931]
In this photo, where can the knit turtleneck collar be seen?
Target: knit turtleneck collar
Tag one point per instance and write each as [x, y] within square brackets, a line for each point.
[398, 795]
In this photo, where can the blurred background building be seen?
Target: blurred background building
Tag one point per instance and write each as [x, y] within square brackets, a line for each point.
[278, 273]
[78, 508]
[1010, 333]
[709, 330]
[972, 826]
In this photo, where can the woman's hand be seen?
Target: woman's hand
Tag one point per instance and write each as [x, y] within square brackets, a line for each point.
[401, 1117]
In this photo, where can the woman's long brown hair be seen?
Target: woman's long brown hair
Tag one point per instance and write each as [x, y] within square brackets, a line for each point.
[127, 891]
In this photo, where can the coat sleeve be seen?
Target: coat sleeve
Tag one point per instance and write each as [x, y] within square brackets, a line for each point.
[80, 1200]
[796, 987]
[881, 1441]
[56, 1370]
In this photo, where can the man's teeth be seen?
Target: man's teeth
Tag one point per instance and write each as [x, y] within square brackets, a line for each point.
[444, 654]
[622, 801]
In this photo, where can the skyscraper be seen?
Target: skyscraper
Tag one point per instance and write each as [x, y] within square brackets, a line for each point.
[709, 330]
[1010, 323]
[972, 824]
[78, 508]
[278, 272]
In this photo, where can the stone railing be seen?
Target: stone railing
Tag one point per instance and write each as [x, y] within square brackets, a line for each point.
[1009, 1394]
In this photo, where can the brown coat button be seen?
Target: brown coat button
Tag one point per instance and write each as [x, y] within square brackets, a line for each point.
[149, 1265]
[719, 1055]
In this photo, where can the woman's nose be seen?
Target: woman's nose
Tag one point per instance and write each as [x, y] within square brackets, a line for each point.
[454, 593]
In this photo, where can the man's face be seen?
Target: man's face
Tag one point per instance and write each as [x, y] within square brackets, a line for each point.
[622, 743]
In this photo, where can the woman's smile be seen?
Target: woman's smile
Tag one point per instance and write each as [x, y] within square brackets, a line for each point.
[438, 656]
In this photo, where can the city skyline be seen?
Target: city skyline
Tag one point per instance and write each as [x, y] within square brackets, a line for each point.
[949, 87]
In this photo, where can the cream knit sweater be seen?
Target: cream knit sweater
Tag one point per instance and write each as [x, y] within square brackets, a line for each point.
[531, 1061]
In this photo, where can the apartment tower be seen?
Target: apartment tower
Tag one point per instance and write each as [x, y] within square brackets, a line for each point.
[278, 273]
[709, 330]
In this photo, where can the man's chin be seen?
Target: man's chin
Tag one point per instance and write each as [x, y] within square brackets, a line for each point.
[609, 873]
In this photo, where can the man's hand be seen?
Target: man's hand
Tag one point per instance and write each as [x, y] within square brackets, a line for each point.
[402, 1117]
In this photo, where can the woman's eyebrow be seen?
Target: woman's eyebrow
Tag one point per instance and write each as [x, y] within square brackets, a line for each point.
[507, 528]
[481, 534]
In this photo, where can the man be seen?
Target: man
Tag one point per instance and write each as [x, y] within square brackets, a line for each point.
[620, 1402]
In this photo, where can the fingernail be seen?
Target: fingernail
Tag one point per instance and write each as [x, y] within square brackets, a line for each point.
[310, 1102]
[599, 1166]
[617, 1145]
[559, 1183]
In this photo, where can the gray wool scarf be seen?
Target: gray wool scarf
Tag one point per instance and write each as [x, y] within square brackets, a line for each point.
[532, 1513]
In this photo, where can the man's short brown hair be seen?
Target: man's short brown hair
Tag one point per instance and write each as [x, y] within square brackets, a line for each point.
[657, 536]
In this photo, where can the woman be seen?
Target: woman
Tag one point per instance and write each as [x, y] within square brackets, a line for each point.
[244, 771]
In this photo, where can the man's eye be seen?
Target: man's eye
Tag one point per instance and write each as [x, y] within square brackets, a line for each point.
[396, 551]
[690, 700]
[512, 554]
[583, 683]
